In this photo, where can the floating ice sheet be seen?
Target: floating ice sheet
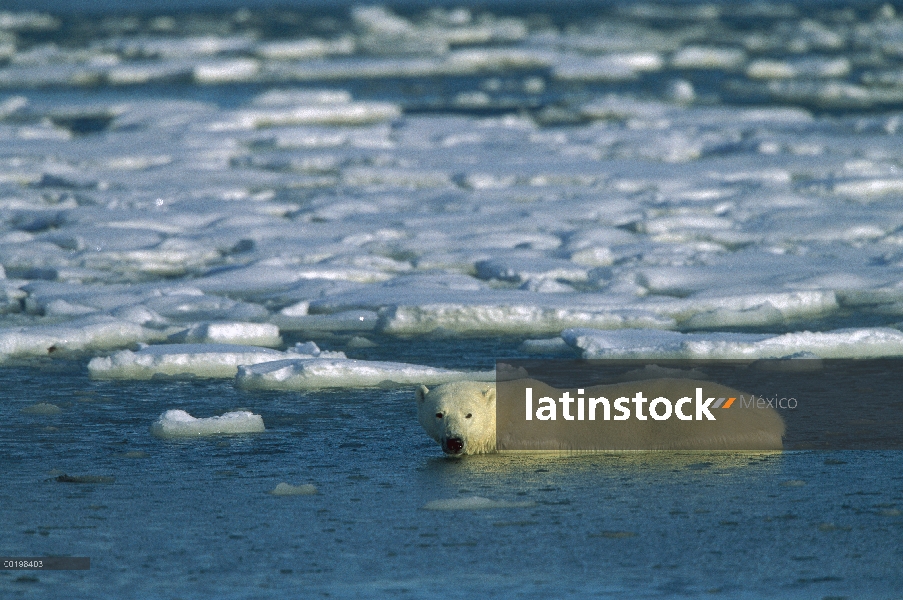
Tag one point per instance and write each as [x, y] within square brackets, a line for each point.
[74, 336]
[302, 374]
[180, 424]
[642, 344]
[198, 360]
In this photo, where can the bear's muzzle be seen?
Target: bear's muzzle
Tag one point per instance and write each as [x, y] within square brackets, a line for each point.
[453, 446]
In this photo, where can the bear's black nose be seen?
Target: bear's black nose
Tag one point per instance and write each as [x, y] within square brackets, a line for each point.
[454, 446]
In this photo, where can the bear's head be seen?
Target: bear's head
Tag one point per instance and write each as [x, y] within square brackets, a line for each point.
[460, 416]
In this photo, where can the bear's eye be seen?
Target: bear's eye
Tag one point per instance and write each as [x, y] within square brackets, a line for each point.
[438, 415]
[468, 415]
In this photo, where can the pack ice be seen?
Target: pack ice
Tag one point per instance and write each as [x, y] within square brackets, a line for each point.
[703, 183]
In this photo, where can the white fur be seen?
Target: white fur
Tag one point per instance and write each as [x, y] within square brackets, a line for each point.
[454, 402]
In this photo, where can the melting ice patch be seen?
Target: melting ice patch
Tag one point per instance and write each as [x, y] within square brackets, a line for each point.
[179, 424]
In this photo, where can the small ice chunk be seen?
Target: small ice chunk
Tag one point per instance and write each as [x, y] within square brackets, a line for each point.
[314, 373]
[708, 57]
[351, 113]
[179, 424]
[868, 187]
[473, 503]
[286, 489]
[299, 309]
[306, 48]
[223, 71]
[311, 350]
[251, 334]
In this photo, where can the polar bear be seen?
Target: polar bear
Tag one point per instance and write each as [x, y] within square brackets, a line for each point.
[461, 417]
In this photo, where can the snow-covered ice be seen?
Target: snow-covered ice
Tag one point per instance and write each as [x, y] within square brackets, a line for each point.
[612, 174]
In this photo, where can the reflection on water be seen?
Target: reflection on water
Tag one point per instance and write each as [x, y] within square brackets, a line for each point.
[517, 465]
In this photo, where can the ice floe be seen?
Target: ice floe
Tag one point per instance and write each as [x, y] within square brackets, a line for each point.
[200, 360]
[213, 360]
[76, 336]
[179, 424]
[303, 374]
[639, 344]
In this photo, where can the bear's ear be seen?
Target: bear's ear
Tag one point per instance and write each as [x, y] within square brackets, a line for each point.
[489, 394]
[421, 393]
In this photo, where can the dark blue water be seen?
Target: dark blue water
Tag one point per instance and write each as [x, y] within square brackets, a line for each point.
[195, 519]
